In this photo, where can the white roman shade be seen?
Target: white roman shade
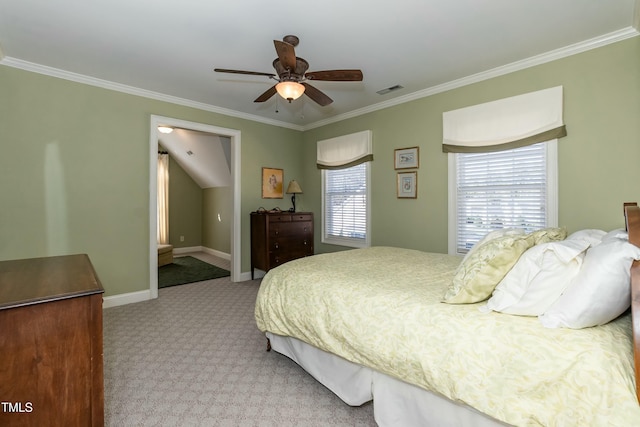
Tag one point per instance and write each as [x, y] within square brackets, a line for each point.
[505, 124]
[345, 151]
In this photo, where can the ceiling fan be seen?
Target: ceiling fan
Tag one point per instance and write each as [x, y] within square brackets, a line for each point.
[292, 76]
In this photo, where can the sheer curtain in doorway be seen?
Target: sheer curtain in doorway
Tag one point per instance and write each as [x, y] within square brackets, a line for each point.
[163, 198]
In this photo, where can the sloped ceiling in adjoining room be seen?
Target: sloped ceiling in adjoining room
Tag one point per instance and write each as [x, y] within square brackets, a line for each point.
[205, 157]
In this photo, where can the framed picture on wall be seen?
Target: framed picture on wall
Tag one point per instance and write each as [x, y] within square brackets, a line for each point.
[407, 158]
[272, 187]
[407, 185]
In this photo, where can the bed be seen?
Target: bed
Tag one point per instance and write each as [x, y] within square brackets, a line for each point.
[385, 324]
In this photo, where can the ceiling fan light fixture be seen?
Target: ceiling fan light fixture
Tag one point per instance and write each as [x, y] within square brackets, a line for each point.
[165, 129]
[290, 90]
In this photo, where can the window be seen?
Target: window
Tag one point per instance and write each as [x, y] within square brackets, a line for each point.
[514, 188]
[345, 206]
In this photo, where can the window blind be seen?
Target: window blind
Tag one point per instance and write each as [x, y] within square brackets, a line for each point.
[505, 189]
[345, 205]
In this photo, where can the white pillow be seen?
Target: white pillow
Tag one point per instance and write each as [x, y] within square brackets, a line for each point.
[619, 233]
[593, 236]
[600, 292]
[538, 279]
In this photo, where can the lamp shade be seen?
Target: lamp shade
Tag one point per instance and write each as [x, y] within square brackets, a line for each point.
[294, 187]
[290, 90]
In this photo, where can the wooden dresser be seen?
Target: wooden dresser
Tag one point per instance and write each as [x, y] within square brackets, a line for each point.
[51, 366]
[278, 237]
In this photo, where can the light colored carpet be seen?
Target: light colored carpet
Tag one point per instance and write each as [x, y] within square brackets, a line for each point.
[194, 357]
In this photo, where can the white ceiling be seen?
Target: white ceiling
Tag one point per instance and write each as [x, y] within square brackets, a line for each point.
[204, 156]
[167, 49]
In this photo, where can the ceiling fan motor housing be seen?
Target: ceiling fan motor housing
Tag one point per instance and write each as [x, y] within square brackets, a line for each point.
[296, 74]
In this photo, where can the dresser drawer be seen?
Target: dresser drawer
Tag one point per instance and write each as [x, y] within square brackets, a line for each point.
[274, 218]
[291, 244]
[294, 228]
[280, 257]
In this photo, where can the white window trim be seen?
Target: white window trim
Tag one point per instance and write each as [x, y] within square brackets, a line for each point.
[345, 241]
[552, 193]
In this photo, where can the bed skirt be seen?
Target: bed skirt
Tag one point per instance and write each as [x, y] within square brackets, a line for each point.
[395, 402]
[350, 382]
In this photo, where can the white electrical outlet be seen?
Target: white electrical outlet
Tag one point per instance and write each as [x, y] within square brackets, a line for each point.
[182, 238]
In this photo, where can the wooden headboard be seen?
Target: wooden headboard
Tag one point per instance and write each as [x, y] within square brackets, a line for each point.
[632, 218]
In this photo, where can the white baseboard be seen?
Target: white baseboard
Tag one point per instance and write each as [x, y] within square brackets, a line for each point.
[178, 251]
[219, 254]
[133, 297]
[223, 255]
[128, 298]
[259, 274]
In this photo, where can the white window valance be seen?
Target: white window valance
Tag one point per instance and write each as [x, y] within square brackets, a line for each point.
[505, 124]
[345, 151]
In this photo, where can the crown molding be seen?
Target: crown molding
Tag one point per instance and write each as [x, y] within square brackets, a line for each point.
[553, 55]
[131, 90]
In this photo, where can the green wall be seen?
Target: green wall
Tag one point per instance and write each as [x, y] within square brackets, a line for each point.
[74, 172]
[75, 161]
[597, 161]
[216, 219]
[185, 208]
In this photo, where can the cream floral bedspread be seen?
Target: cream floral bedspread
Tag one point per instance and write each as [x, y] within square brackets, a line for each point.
[381, 307]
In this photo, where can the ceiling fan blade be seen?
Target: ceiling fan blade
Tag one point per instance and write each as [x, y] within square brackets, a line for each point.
[336, 75]
[252, 73]
[286, 53]
[267, 94]
[316, 95]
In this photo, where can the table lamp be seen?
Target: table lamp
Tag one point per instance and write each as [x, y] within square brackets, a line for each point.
[294, 188]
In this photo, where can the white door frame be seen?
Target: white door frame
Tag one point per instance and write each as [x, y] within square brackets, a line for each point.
[234, 135]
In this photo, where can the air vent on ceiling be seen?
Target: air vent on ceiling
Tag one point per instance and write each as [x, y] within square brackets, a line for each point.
[389, 89]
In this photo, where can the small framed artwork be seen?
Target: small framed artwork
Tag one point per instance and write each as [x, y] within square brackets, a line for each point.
[272, 183]
[407, 158]
[407, 185]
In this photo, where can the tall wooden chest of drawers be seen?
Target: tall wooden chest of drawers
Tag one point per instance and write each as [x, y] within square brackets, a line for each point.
[278, 237]
[51, 366]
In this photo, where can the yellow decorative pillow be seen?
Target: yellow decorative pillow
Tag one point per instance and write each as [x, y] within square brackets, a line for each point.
[547, 235]
[477, 276]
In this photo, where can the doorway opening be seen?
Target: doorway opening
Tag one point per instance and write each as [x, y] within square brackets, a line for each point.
[234, 137]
